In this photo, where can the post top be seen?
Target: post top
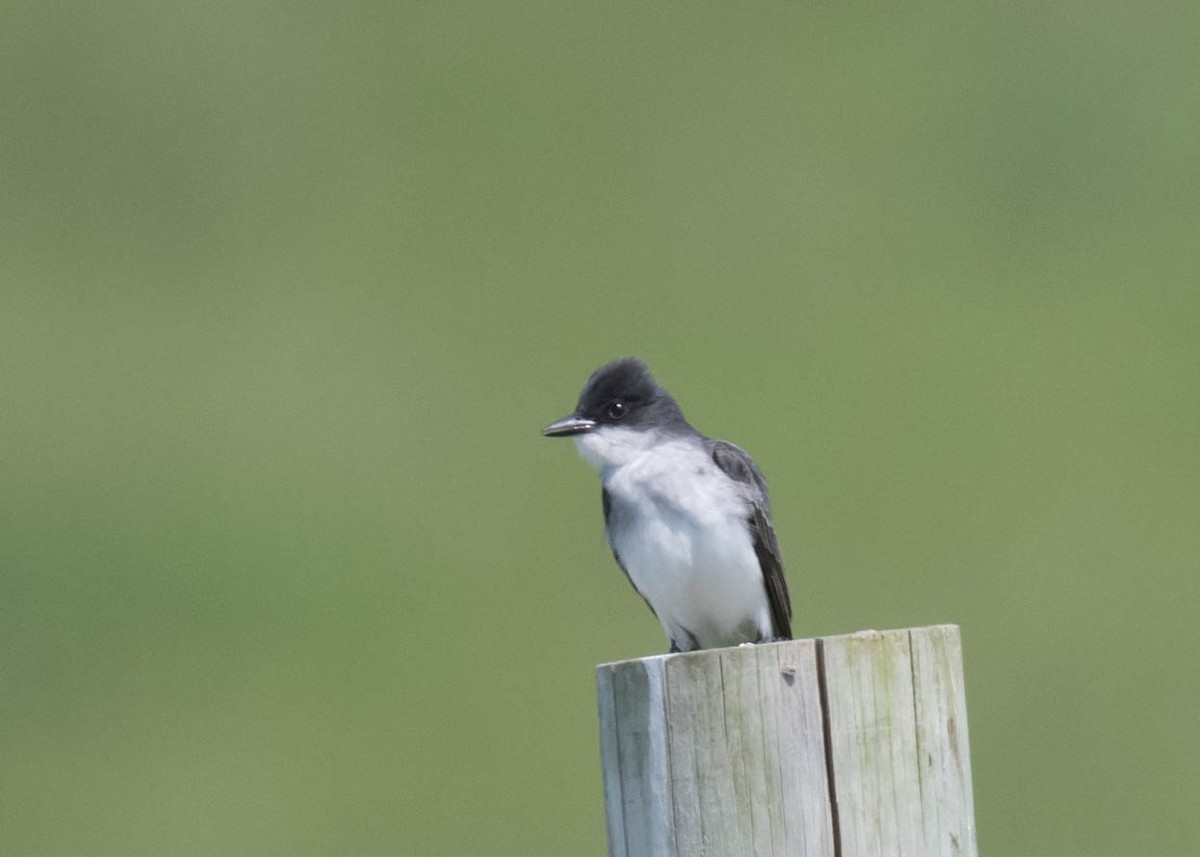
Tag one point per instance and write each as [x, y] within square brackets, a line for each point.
[866, 634]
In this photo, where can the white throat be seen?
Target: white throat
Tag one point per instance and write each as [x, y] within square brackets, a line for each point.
[609, 447]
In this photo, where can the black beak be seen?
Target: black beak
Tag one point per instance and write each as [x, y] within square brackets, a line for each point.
[568, 426]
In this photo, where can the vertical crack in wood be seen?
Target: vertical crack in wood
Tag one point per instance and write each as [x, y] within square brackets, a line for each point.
[828, 738]
[918, 745]
[665, 684]
[612, 758]
[777, 733]
[621, 772]
[775, 801]
[725, 727]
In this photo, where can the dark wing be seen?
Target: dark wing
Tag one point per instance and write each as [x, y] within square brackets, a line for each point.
[736, 462]
[606, 500]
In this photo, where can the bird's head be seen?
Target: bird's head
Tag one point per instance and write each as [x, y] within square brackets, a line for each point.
[621, 409]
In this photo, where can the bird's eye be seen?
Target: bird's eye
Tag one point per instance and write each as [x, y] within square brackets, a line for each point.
[616, 410]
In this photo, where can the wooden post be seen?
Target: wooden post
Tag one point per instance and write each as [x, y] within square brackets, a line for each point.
[836, 747]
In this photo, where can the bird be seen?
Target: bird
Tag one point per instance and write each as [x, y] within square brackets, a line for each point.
[687, 517]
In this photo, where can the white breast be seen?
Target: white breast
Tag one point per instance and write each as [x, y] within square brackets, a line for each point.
[680, 526]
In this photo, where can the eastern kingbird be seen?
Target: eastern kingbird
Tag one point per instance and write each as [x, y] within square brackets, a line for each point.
[687, 517]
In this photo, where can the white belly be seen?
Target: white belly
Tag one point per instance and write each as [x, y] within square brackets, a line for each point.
[688, 547]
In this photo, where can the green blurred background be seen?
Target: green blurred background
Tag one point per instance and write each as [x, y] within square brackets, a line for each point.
[288, 291]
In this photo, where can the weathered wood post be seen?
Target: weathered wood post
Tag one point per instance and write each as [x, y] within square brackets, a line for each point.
[835, 747]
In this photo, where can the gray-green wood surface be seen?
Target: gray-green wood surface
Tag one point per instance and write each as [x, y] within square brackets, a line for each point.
[850, 745]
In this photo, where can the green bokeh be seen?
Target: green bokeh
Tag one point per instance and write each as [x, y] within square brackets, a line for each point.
[287, 290]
